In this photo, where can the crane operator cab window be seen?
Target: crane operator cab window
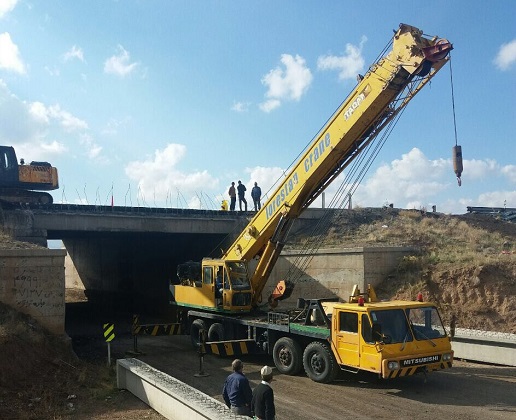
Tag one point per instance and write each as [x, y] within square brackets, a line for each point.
[238, 276]
[208, 275]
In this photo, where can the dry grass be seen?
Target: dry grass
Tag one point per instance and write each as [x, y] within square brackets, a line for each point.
[40, 377]
[467, 265]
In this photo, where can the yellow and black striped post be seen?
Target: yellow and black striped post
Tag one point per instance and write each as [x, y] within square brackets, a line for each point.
[109, 334]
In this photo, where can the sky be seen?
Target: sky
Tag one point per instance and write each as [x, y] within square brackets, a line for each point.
[162, 103]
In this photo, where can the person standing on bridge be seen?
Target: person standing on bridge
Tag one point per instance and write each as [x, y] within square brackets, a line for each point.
[241, 195]
[232, 196]
[237, 392]
[256, 194]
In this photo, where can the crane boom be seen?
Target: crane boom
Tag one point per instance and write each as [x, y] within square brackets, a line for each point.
[387, 87]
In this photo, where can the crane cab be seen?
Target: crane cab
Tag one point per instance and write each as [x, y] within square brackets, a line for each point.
[214, 285]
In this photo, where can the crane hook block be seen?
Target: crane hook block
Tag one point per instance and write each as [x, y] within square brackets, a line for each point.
[457, 162]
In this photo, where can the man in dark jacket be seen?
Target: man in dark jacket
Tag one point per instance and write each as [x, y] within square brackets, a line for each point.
[262, 404]
[237, 392]
[256, 194]
[241, 195]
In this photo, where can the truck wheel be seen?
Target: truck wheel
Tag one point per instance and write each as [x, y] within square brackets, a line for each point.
[288, 356]
[216, 332]
[198, 327]
[319, 363]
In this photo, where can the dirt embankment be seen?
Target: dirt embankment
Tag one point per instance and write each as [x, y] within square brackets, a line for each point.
[465, 263]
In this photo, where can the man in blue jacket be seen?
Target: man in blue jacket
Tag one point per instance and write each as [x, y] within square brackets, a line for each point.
[237, 392]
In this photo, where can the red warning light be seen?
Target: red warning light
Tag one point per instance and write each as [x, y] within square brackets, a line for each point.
[360, 301]
[420, 297]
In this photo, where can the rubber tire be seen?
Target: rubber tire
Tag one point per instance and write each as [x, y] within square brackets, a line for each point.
[216, 332]
[319, 362]
[288, 356]
[197, 326]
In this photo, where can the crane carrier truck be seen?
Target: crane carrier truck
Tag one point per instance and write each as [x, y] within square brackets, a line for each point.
[221, 299]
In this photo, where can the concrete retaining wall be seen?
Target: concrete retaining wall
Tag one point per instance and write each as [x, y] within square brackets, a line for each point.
[32, 281]
[333, 272]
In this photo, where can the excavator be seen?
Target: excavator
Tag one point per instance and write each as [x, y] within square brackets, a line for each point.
[224, 285]
[22, 183]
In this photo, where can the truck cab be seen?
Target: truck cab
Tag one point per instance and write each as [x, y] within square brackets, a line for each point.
[392, 339]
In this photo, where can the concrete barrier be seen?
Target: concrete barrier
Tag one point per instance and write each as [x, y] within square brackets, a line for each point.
[485, 346]
[170, 397]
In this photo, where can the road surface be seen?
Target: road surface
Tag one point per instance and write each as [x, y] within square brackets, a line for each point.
[467, 391]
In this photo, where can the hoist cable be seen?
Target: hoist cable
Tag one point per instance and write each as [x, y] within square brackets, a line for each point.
[453, 101]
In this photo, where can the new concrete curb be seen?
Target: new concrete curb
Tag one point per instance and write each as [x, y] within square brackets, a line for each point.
[170, 397]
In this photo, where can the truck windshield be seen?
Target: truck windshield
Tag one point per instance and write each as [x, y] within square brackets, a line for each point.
[393, 325]
[426, 323]
[238, 276]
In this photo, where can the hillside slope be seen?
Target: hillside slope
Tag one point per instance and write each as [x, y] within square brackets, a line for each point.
[466, 263]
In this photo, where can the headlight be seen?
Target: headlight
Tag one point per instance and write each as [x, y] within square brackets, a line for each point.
[447, 357]
[393, 365]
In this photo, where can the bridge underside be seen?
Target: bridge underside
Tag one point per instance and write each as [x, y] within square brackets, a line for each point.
[132, 270]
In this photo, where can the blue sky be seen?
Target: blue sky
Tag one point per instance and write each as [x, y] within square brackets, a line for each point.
[164, 103]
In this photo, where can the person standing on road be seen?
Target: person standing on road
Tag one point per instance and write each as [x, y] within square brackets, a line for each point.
[237, 392]
[262, 403]
[256, 194]
[241, 195]
[232, 197]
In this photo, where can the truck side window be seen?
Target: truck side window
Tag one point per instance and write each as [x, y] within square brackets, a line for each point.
[208, 275]
[367, 332]
[348, 322]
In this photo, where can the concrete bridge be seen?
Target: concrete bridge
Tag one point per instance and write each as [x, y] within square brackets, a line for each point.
[125, 258]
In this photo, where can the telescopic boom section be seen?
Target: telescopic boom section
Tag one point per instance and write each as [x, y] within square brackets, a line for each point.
[360, 117]
[386, 88]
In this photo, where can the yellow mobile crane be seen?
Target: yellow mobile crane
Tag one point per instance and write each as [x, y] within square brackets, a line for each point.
[218, 297]
[386, 88]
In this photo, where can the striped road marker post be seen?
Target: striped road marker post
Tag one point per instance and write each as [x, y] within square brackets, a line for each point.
[109, 334]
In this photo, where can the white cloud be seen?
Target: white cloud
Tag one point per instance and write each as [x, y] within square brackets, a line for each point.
[113, 126]
[159, 177]
[120, 64]
[266, 177]
[55, 71]
[270, 105]
[38, 131]
[479, 169]
[348, 65]
[10, 55]
[509, 171]
[288, 83]
[506, 56]
[240, 106]
[44, 114]
[74, 52]
[496, 199]
[92, 149]
[6, 6]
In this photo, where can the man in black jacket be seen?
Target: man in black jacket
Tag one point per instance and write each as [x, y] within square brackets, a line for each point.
[241, 195]
[262, 403]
